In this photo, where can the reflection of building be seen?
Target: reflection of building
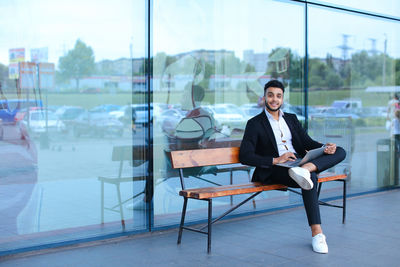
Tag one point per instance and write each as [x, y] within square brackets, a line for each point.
[97, 83]
[234, 81]
[258, 60]
[122, 66]
[280, 57]
[208, 56]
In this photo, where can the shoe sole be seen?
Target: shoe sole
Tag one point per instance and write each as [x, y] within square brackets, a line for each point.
[320, 252]
[304, 183]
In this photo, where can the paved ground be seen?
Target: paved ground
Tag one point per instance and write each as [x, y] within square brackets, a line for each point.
[370, 237]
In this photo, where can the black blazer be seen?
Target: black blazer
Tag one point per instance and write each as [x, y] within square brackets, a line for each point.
[258, 147]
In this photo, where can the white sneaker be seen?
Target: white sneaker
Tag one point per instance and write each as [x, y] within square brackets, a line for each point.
[302, 177]
[319, 243]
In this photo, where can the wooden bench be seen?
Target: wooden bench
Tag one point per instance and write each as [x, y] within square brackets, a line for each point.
[133, 156]
[230, 155]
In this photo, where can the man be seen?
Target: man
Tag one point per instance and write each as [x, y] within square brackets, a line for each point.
[274, 137]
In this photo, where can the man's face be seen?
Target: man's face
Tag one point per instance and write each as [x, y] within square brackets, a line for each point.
[273, 98]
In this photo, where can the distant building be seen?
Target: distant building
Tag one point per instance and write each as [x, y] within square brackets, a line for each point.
[120, 66]
[209, 56]
[258, 60]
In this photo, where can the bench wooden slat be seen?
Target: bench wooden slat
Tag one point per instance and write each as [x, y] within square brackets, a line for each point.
[326, 177]
[237, 189]
[204, 157]
[228, 190]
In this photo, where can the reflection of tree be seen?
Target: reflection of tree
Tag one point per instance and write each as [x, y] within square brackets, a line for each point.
[78, 63]
[285, 64]
[229, 65]
[361, 70]
[6, 82]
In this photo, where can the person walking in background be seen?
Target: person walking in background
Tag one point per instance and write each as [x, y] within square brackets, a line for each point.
[395, 129]
[393, 105]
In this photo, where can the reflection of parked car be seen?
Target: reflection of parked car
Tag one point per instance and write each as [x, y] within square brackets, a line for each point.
[39, 122]
[291, 109]
[126, 114]
[250, 110]
[372, 112]
[10, 107]
[96, 124]
[169, 119]
[227, 114]
[141, 111]
[105, 108]
[334, 112]
[68, 113]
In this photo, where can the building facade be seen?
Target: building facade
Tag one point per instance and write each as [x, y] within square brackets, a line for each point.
[84, 142]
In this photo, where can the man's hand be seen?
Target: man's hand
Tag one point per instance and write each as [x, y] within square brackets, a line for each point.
[330, 148]
[288, 156]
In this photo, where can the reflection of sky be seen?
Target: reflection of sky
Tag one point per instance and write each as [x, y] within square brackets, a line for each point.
[227, 24]
[107, 26]
[110, 27]
[326, 29]
[388, 7]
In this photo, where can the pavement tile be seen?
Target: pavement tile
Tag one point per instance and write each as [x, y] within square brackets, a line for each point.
[281, 239]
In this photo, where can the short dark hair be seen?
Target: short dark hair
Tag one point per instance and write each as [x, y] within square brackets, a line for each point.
[273, 83]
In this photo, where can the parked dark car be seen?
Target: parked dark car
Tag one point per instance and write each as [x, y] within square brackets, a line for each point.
[96, 124]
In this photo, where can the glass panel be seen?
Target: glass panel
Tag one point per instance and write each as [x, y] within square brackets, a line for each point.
[386, 7]
[353, 73]
[211, 61]
[71, 75]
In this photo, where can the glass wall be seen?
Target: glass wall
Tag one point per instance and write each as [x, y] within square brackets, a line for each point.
[94, 94]
[352, 78]
[72, 109]
[384, 8]
[211, 61]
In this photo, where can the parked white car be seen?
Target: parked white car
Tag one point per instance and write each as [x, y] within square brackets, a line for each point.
[228, 114]
[39, 123]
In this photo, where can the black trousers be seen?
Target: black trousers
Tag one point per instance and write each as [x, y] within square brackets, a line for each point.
[310, 197]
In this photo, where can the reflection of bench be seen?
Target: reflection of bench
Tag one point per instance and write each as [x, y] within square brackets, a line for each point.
[135, 156]
[222, 156]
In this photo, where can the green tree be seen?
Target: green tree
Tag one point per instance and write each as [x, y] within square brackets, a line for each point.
[78, 63]
[397, 71]
[5, 81]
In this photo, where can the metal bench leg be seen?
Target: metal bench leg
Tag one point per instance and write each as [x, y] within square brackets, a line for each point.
[344, 201]
[182, 219]
[231, 182]
[209, 225]
[102, 202]
[120, 206]
[248, 175]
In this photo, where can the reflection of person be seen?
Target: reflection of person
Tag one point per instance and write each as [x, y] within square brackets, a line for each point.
[274, 137]
[395, 129]
[393, 104]
[198, 123]
[197, 111]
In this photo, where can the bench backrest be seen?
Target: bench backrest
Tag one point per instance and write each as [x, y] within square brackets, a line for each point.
[134, 155]
[204, 157]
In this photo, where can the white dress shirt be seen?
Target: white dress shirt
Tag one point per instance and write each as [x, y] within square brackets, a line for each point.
[282, 133]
